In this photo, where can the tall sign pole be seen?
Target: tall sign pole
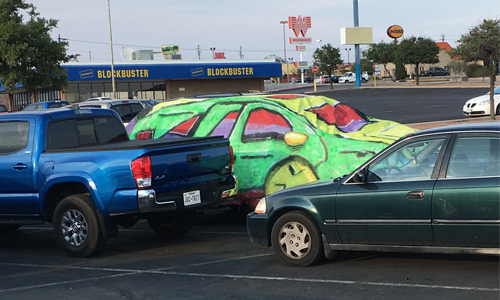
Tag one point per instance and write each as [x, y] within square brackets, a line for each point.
[357, 54]
[112, 57]
[300, 25]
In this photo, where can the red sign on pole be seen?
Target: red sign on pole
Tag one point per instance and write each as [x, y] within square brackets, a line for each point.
[315, 69]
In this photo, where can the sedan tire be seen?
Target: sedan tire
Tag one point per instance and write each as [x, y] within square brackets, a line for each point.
[296, 240]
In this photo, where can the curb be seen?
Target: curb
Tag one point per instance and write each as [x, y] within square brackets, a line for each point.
[427, 125]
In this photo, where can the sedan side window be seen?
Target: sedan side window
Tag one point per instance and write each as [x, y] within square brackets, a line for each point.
[412, 161]
[474, 156]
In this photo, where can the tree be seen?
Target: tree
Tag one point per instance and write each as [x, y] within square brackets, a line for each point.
[365, 66]
[381, 53]
[28, 55]
[327, 59]
[482, 43]
[416, 51]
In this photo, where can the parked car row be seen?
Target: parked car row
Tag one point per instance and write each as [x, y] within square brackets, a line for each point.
[127, 109]
[435, 71]
[3, 109]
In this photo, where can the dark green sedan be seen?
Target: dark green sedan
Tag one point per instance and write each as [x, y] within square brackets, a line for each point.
[435, 191]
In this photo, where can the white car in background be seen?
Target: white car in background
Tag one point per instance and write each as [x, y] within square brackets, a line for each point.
[480, 106]
[351, 77]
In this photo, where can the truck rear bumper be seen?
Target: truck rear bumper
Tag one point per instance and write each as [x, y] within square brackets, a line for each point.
[149, 201]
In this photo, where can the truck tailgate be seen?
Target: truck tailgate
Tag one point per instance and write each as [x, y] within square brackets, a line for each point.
[191, 173]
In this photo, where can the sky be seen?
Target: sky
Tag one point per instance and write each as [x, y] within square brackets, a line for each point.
[248, 28]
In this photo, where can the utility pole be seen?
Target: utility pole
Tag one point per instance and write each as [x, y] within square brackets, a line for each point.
[112, 58]
[241, 52]
[199, 53]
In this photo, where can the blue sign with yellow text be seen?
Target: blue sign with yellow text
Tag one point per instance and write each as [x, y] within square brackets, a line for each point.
[162, 70]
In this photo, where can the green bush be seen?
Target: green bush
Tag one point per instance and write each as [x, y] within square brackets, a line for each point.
[476, 70]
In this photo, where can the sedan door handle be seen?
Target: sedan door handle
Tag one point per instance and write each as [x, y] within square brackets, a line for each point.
[415, 195]
[19, 166]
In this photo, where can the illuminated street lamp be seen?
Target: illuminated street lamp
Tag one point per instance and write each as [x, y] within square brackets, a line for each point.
[284, 49]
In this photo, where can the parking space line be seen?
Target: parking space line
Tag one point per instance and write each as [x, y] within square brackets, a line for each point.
[214, 262]
[128, 272]
[62, 283]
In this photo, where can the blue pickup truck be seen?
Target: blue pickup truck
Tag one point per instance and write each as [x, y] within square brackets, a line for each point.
[77, 169]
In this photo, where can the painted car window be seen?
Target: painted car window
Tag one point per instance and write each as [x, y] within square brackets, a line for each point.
[263, 124]
[14, 136]
[474, 156]
[344, 117]
[184, 129]
[413, 161]
[226, 125]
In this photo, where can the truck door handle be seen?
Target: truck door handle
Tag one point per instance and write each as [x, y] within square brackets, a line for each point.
[194, 158]
[19, 166]
[415, 195]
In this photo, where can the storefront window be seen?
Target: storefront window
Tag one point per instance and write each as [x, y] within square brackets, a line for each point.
[72, 93]
[135, 88]
[85, 92]
[122, 91]
[159, 91]
[98, 90]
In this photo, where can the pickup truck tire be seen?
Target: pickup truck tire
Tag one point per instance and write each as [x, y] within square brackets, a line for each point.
[171, 225]
[76, 226]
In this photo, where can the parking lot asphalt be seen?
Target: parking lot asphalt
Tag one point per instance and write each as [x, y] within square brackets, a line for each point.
[386, 83]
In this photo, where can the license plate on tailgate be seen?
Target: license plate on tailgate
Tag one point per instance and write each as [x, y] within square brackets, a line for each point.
[192, 197]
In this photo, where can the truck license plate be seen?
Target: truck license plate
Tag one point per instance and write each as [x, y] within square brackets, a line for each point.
[192, 197]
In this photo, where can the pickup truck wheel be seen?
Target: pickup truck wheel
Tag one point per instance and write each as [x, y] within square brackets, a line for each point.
[77, 228]
[171, 225]
[296, 240]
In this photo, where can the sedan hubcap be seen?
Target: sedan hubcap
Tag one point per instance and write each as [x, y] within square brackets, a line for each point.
[74, 227]
[295, 240]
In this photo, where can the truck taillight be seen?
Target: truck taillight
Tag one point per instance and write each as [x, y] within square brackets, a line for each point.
[231, 155]
[142, 171]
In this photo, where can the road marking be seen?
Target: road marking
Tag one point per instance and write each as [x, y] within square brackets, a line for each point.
[128, 272]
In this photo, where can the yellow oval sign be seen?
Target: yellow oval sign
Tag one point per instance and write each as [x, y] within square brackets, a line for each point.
[395, 31]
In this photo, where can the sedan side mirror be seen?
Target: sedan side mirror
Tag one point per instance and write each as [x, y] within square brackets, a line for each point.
[359, 176]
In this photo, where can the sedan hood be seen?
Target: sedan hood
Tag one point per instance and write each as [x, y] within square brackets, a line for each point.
[324, 186]
[478, 99]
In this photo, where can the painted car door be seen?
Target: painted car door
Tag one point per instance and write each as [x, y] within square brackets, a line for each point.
[466, 202]
[261, 150]
[16, 177]
[393, 205]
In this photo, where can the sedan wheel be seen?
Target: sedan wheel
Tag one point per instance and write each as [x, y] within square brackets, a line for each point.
[296, 239]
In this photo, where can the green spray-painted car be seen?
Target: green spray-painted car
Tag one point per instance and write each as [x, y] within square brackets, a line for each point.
[279, 141]
[433, 191]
